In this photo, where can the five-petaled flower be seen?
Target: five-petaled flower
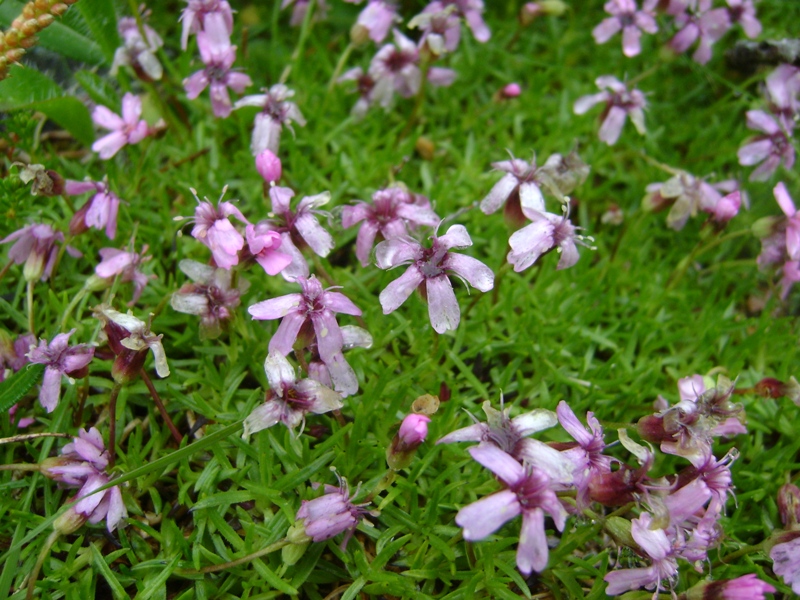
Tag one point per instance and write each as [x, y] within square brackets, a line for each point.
[626, 17]
[130, 128]
[620, 103]
[59, 359]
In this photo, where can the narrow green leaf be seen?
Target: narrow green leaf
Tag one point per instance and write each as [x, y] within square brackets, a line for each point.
[159, 581]
[224, 499]
[98, 89]
[272, 579]
[116, 587]
[388, 552]
[354, 588]
[295, 478]
[102, 21]
[16, 386]
[57, 37]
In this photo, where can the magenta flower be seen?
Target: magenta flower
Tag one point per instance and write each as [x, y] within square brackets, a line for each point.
[83, 457]
[698, 21]
[36, 247]
[620, 104]
[59, 359]
[130, 128]
[138, 52]
[218, 55]
[744, 13]
[656, 546]
[264, 243]
[376, 19]
[309, 315]
[413, 431]
[783, 94]
[626, 17]
[511, 90]
[512, 437]
[269, 166]
[276, 111]
[210, 297]
[769, 149]
[194, 15]
[125, 264]
[332, 513]
[365, 86]
[395, 68]
[432, 266]
[793, 221]
[687, 195]
[213, 229]
[547, 232]
[288, 400]
[470, 10]
[100, 211]
[726, 207]
[528, 493]
[393, 213]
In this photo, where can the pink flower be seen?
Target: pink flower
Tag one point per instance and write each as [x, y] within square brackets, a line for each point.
[393, 212]
[218, 55]
[365, 86]
[138, 52]
[269, 166]
[470, 10]
[264, 243]
[793, 221]
[726, 207]
[511, 90]
[414, 429]
[528, 493]
[744, 13]
[210, 297]
[790, 274]
[656, 546]
[288, 400]
[441, 30]
[309, 315]
[213, 229]
[432, 266]
[128, 129]
[195, 13]
[770, 149]
[697, 20]
[36, 247]
[83, 457]
[620, 104]
[547, 232]
[786, 561]
[332, 513]
[395, 68]
[782, 90]
[118, 262]
[276, 111]
[301, 7]
[687, 195]
[99, 212]
[60, 360]
[626, 17]
[376, 19]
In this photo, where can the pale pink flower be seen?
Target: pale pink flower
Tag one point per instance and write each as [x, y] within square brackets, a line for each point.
[725, 208]
[786, 561]
[213, 229]
[511, 90]
[441, 31]
[470, 10]
[288, 400]
[332, 513]
[393, 213]
[790, 274]
[376, 19]
[193, 17]
[620, 103]
[547, 232]
[345, 381]
[783, 94]
[126, 265]
[301, 7]
[770, 149]
[138, 52]
[699, 21]
[395, 68]
[130, 128]
[277, 111]
[528, 493]
[744, 13]
[59, 359]
[269, 166]
[432, 267]
[687, 194]
[784, 200]
[100, 211]
[264, 244]
[218, 55]
[35, 245]
[365, 86]
[626, 17]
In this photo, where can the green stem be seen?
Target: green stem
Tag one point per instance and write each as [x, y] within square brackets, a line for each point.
[112, 426]
[699, 249]
[31, 327]
[21, 467]
[298, 50]
[239, 561]
[51, 540]
[71, 306]
[739, 553]
[160, 405]
[386, 481]
[340, 65]
[412, 119]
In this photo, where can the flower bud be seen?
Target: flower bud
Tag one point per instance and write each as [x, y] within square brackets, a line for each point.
[269, 166]
[512, 90]
[747, 586]
[298, 544]
[69, 522]
[529, 12]
[413, 431]
[789, 505]
[359, 35]
[774, 388]
[651, 429]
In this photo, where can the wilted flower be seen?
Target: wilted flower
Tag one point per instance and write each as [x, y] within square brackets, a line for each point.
[213, 229]
[687, 195]
[130, 128]
[46, 182]
[528, 493]
[210, 297]
[393, 212]
[218, 55]
[699, 21]
[59, 359]
[626, 17]
[100, 211]
[288, 400]
[36, 247]
[195, 13]
[276, 111]
[441, 31]
[620, 104]
[138, 52]
[125, 264]
[432, 267]
[770, 149]
[332, 513]
[308, 316]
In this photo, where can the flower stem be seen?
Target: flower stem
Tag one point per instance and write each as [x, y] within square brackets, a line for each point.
[160, 405]
[386, 481]
[414, 116]
[24, 437]
[340, 65]
[71, 306]
[51, 540]
[20, 467]
[112, 425]
[739, 553]
[305, 28]
[31, 327]
[699, 249]
[239, 561]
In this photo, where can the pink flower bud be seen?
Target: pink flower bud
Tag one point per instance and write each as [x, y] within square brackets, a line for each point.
[414, 429]
[512, 90]
[789, 505]
[269, 166]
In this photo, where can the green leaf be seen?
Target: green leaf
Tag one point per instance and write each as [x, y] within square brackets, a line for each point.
[16, 386]
[102, 21]
[30, 89]
[98, 89]
[57, 37]
[224, 499]
[116, 587]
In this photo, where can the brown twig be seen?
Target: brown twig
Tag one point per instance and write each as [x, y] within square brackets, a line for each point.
[160, 405]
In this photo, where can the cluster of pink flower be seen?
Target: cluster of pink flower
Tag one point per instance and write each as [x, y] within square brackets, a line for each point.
[693, 20]
[679, 513]
[780, 240]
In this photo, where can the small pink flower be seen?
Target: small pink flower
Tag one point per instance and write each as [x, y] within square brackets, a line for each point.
[620, 104]
[127, 129]
[277, 111]
[100, 211]
[264, 244]
[469, 10]
[786, 561]
[432, 266]
[395, 68]
[744, 13]
[332, 513]
[726, 207]
[125, 264]
[512, 90]
[138, 52]
[36, 247]
[365, 86]
[699, 21]
[793, 220]
[547, 232]
[268, 166]
[441, 31]
[60, 359]
[213, 229]
[195, 13]
[210, 296]
[770, 149]
[376, 19]
[626, 17]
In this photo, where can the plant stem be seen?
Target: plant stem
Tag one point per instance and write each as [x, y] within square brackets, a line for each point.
[386, 481]
[739, 553]
[24, 437]
[239, 561]
[160, 405]
[340, 65]
[21, 467]
[31, 327]
[112, 426]
[51, 540]
[298, 50]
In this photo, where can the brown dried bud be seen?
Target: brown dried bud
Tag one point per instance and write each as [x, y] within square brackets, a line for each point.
[427, 404]
[774, 388]
[651, 428]
[45, 20]
[613, 489]
[789, 505]
[58, 9]
[359, 34]
[30, 27]
[28, 42]
[14, 55]
[425, 148]
[42, 6]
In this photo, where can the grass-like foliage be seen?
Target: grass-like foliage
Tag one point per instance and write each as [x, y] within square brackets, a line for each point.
[174, 452]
